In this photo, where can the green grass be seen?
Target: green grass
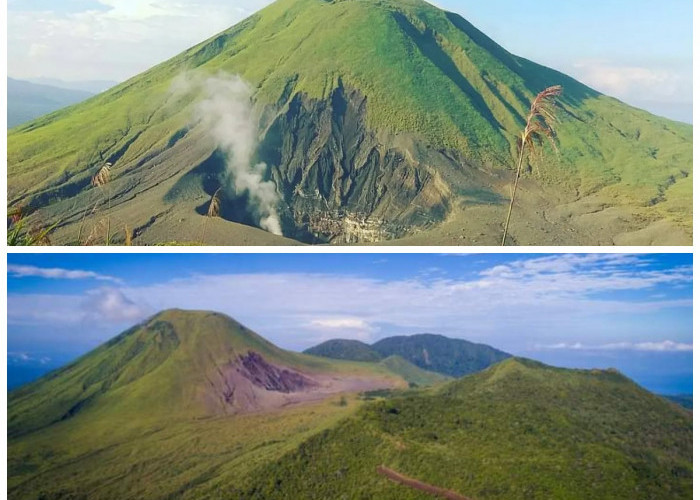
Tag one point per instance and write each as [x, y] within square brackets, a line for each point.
[126, 421]
[425, 73]
[129, 418]
[411, 373]
[163, 364]
[344, 349]
[133, 457]
[519, 430]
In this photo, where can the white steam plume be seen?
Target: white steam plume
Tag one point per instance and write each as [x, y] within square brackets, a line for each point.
[226, 110]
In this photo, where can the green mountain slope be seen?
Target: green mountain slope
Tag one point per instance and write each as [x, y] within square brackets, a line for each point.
[183, 362]
[519, 430]
[378, 119]
[344, 349]
[452, 357]
[185, 398]
[435, 353]
[411, 373]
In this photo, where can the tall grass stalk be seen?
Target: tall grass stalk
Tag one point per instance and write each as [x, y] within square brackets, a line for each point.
[539, 127]
[214, 209]
[101, 181]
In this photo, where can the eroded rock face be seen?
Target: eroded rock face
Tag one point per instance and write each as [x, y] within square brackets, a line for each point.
[339, 182]
[263, 374]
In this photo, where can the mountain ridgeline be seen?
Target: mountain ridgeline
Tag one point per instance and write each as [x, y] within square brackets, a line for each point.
[376, 120]
[186, 363]
[193, 405]
[451, 357]
[518, 430]
[27, 100]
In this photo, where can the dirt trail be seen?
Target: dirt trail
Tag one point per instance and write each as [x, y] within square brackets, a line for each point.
[419, 485]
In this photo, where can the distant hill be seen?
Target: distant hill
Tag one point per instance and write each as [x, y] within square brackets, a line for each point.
[345, 349]
[26, 100]
[516, 431]
[453, 357]
[90, 86]
[412, 374]
[436, 353]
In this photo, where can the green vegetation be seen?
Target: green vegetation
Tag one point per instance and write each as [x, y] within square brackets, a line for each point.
[411, 373]
[452, 357]
[19, 234]
[519, 430]
[194, 405]
[440, 103]
[353, 350]
[150, 406]
[165, 364]
[434, 353]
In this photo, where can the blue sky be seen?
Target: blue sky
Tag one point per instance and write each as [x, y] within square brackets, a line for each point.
[637, 50]
[632, 312]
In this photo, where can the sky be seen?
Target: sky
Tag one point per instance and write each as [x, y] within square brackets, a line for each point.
[637, 50]
[630, 312]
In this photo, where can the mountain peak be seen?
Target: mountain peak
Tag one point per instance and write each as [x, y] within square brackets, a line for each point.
[193, 363]
[419, 136]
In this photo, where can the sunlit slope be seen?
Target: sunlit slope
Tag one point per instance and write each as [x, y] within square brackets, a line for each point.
[178, 364]
[394, 111]
[178, 405]
[519, 430]
[434, 353]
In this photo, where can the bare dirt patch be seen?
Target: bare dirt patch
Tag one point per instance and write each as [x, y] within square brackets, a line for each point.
[251, 383]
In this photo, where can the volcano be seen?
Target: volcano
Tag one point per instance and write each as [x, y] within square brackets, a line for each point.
[192, 404]
[369, 121]
[186, 364]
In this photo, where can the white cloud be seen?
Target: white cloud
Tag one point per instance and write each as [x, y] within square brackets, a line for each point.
[346, 327]
[530, 300]
[22, 358]
[663, 346]
[19, 271]
[335, 323]
[665, 89]
[115, 43]
[625, 80]
[111, 305]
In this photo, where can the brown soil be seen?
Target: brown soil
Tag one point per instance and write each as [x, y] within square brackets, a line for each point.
[419, 485]
[251, 383]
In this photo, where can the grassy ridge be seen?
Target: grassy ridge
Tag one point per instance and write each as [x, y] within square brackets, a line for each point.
[163, 364]
[132, 457]
[411, 373]
[518, 430]
[344, 349]
[128, 419]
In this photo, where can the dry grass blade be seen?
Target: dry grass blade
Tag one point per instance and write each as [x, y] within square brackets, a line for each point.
[215, 204]
[214, 210]
[127, 236]
[538, 129]
[103, 176]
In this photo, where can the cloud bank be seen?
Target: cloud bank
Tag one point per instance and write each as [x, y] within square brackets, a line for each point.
[19, 271]
[542, 301]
